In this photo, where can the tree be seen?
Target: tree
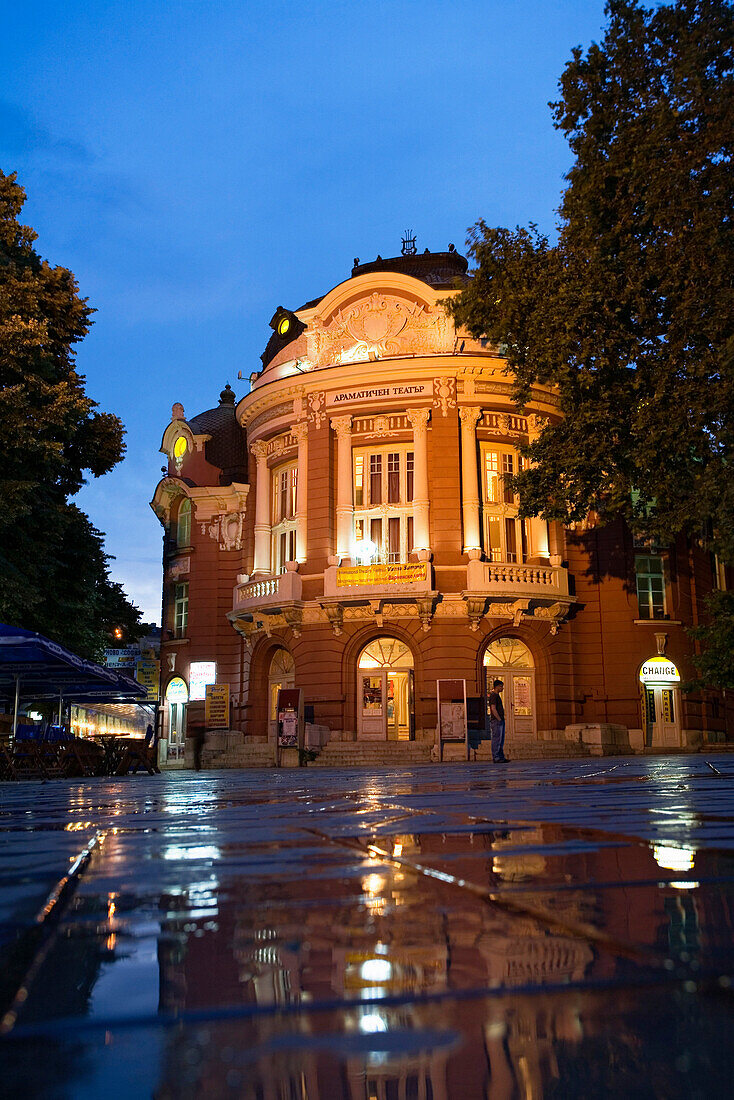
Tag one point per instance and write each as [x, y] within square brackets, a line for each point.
[54, 574]
[629, 312]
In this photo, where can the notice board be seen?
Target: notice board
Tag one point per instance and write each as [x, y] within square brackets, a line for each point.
[216, 707]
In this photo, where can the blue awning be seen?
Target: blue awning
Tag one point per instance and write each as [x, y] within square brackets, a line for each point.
[43, 669]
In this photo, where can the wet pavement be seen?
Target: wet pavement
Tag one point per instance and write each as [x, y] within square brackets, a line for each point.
[548, 929]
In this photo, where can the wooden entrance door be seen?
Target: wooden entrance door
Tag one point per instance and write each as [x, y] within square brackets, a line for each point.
[662, 715]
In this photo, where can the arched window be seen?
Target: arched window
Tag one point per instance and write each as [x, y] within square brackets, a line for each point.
[284, 504]
[183, 524]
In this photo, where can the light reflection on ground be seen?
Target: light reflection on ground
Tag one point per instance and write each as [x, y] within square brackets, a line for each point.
[561, 930]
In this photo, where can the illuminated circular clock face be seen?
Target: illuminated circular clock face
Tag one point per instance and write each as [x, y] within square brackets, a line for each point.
[283, 325]
[179, 447]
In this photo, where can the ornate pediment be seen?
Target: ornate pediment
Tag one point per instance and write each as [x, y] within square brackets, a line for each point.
[380, 326]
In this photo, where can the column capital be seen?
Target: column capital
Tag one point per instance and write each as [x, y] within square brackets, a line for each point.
[342, 425]
[536, 424]
[418, 419]
[260, 450]
[300, 432]
[469, 415]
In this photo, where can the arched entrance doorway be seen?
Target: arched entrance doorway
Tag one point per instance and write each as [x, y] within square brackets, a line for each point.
[510, 660]
[281, 674]
[385, 691]
[659, 681]
[177, 696]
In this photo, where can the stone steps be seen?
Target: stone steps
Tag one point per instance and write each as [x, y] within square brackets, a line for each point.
[340, 754]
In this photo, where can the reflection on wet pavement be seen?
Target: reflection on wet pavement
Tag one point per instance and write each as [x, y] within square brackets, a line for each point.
[564, 930]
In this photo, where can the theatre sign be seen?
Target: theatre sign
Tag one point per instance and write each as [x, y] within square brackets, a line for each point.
[407, 390]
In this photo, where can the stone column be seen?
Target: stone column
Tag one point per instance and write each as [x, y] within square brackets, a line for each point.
[262, 509]
[300, 431]
[342, 425]
[421, 522]
[555, 530]
[538, 528]
[469, 415]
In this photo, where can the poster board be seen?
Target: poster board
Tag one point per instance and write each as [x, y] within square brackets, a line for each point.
[290, 720]
[452, 716]
[148, 675]
[216, 706]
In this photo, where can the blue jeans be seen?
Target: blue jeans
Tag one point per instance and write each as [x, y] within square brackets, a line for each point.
[497, 730]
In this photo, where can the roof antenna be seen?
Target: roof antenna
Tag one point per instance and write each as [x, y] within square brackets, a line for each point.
[409, 248]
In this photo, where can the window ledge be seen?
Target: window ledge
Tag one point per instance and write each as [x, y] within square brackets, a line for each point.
[658, 622]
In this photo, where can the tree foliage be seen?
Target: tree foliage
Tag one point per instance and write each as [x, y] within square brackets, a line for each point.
[54, 574]
[629, 312]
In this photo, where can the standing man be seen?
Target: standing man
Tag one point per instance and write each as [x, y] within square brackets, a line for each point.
[497, 722]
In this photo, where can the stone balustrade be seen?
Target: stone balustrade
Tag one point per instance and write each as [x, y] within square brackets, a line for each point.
[268, 591]
[507, 579]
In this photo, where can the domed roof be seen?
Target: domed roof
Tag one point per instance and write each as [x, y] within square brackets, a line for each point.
[227, 448]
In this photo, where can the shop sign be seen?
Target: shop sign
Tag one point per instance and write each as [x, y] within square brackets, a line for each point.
[201, 673]
[359, 575]
[148, 675]
[121, 658]
[659, 670]
[176, 691]
[380, 393]
[216, 708]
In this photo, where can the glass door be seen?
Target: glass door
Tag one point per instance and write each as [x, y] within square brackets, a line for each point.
[372, 705]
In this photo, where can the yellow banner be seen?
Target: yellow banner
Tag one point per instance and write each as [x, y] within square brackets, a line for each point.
[381, 574]
[216, 708]
[148, 675]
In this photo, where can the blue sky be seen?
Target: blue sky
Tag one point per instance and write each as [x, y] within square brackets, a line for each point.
[198, 163]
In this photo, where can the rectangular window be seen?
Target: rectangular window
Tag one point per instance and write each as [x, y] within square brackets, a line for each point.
[293, 493]
[650, 587]
[511, 539]
[491, 477]
[495, 540]
[411, 544]
[375, 479]
[358, 481]
[283, 495]
[281, 553]
[359, 530]
[508, 469]
[376, 535]
[409, 471]
[393, 477]
[180, 609]
[393, 539]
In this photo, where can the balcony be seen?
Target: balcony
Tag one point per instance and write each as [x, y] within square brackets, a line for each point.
[266, 593]
[503, 579]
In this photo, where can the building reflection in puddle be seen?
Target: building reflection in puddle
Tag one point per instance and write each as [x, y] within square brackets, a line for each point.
[365, 979]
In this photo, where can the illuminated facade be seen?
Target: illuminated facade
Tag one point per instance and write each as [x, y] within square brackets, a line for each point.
[346, 528]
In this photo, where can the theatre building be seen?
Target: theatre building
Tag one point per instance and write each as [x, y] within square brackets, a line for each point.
[346, 529]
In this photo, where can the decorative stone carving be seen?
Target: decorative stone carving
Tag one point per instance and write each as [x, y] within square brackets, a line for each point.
[335, 615]
[661, 641]
[227, 530]
[316, 407]
[536, 424]
[294, 618]
[475, 610]
[378, 326]
[300, 432]
[444, 394]
[260, 450]
[177, 411]
[171, 662]
[554, 614]
[342, 425]
[418, 419]
[425, 605]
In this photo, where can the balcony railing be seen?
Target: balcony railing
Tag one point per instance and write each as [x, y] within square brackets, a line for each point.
[506, 579]
[268, 591]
